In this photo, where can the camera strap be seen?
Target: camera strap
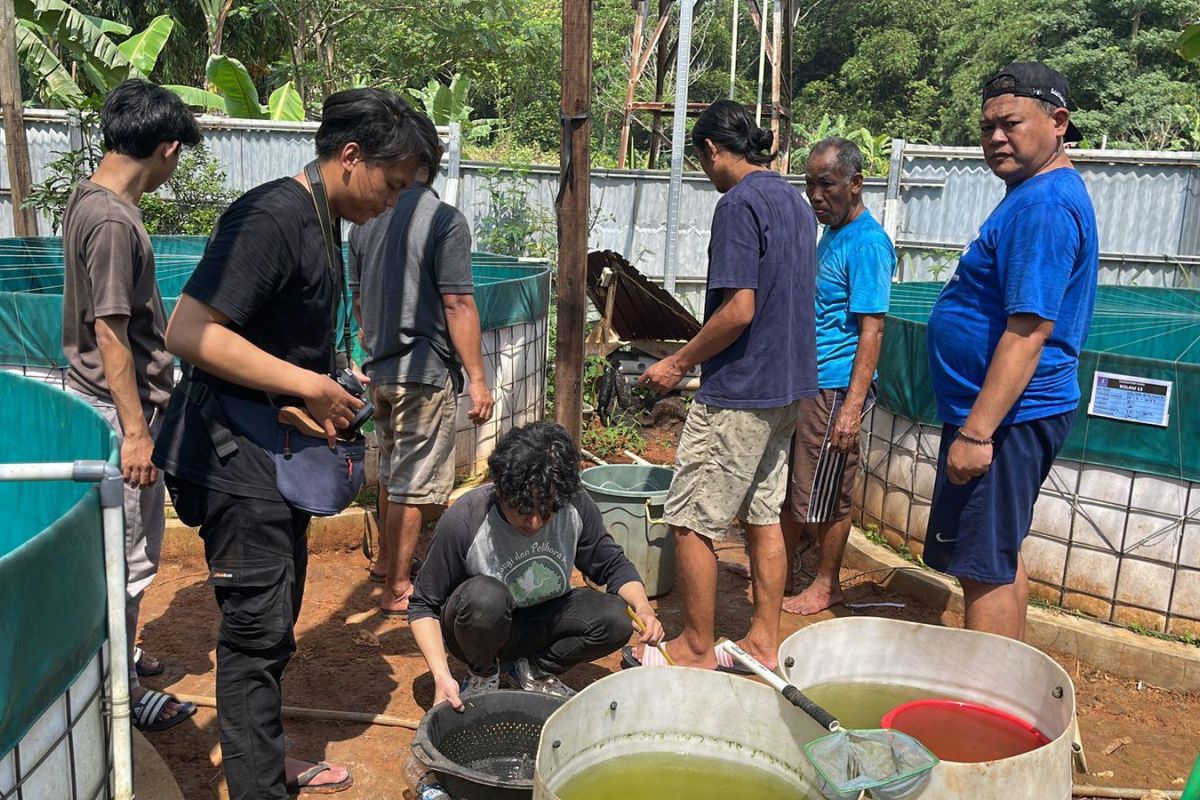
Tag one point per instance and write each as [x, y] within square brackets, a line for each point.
[336, 271]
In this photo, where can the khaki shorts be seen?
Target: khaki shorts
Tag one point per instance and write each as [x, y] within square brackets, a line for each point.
[821, 477]
[731, 464]
[415, 425]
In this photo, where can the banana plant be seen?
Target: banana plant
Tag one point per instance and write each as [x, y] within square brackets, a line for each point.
[46, 28]
[448, 103]
[236, 95]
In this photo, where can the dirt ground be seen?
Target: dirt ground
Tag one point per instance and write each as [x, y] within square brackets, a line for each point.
[372, 665]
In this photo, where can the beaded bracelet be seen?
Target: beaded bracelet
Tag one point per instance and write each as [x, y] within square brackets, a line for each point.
[972, 440]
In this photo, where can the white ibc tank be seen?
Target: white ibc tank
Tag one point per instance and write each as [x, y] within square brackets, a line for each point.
[987, 669]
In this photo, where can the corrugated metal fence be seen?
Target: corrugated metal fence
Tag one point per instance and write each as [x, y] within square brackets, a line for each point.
[1146, 202]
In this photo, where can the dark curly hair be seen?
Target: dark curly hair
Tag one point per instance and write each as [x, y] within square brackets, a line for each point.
[535, 468]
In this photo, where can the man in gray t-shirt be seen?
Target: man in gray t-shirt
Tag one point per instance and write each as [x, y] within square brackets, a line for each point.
[410, 272]
[113, 334]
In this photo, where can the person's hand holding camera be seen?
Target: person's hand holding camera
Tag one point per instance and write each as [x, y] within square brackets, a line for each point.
[330, 405]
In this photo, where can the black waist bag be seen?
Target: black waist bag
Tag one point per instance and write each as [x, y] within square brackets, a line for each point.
[309, 474]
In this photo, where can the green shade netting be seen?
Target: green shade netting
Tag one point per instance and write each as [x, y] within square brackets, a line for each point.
[507, 292]
[1147, 332]
[52, 589]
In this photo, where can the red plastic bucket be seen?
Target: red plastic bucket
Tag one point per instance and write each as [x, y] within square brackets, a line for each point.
[965, 732]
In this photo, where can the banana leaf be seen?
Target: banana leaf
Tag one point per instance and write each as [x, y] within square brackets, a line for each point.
[286, 103]
[80, 37]
[142, 49]
[234, 83]
[198, 98]
[51, 79]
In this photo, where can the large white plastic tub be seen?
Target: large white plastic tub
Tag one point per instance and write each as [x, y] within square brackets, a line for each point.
[676, 709]
[988, 669]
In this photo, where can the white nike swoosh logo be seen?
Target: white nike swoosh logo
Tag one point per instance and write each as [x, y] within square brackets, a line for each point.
[938, 536]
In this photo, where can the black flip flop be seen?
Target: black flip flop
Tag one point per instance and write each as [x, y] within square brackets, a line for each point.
[146, 710]
[301, 786]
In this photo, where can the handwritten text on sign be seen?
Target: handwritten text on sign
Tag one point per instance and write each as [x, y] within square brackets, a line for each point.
[1126, 397]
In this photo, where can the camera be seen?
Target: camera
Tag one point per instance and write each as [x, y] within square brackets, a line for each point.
[348, 381]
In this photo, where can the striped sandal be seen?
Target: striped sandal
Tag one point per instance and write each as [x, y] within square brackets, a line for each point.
[149, 707]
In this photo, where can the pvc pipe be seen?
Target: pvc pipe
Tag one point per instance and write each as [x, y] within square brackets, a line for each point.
[118, 649]
[37, 472]
[108, 479]
[733, 52]
[682, 64]
[762, 58]
[1117, 793]
[323, 715]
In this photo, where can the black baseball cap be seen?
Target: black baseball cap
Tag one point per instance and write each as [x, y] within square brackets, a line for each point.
[1036, 80]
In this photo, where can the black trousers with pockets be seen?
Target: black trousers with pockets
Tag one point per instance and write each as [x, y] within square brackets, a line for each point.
[482, 626]
[257, 553]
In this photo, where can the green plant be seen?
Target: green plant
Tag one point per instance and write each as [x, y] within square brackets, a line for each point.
[513, 226]
[191, 201]
[620, 435]
[49, 196]
[876, 149]
[234, 94]
[1186, 638]
[446, 104]
[56, 42]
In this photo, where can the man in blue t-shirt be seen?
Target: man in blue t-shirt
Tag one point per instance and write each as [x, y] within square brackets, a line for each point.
[855, 262]
[1004, 343]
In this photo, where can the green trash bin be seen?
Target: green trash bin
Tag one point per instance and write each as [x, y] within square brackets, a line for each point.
[631, 498]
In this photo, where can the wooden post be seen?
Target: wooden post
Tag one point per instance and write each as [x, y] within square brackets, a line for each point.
[573, 212]
[635, 58]
[24, 219]
[784, 140]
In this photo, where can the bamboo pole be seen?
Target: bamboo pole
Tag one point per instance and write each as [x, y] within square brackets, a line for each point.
[316, 714]
[635, 74]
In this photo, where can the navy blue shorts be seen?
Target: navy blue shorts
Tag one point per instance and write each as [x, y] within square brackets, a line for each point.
[975, 530]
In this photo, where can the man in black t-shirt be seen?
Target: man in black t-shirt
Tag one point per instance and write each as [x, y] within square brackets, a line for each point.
[253, 323]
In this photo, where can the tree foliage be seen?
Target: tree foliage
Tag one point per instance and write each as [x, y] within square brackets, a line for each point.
[909, 68]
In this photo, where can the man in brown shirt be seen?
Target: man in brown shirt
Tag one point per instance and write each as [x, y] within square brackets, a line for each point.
[113, 333]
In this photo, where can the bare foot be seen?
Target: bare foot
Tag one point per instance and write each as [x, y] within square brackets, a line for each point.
[391, 603]
[684, 657]
[767, 656]
[294, 767]
[819, 596]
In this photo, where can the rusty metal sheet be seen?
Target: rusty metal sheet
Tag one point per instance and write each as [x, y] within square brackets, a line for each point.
[641, 309]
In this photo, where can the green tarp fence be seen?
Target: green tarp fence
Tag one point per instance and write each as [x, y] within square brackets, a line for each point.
[52, 589]
[1146, 332]
[507, 292]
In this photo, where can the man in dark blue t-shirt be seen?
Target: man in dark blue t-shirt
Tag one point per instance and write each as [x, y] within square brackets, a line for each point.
[758, 354]
[1004, 343]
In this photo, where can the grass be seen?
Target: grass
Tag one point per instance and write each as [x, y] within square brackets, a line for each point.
[872, 533]
[621, 434]
[1185, 638]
